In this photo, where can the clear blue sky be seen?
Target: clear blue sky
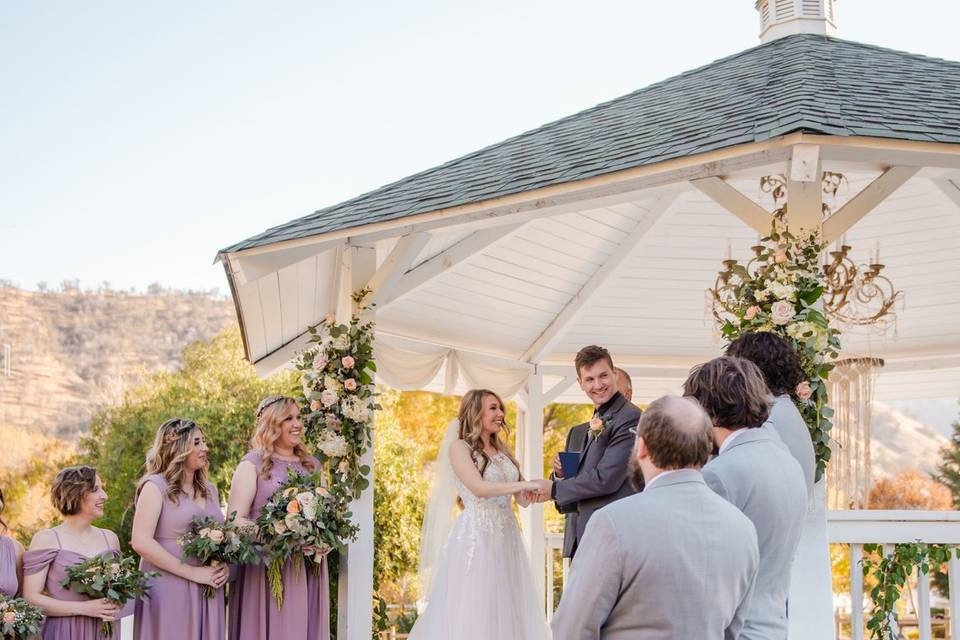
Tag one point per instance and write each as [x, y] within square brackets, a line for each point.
[136, 139]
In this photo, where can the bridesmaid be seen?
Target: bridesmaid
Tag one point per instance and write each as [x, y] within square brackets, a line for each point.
[277, 446]
[11, 558]
[78, 495]
[173, 491]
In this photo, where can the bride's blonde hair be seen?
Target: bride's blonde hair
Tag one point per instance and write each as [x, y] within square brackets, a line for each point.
[270, 414]
[171, 447]
[471, 428]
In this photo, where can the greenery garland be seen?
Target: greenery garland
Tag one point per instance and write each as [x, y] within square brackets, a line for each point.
[891, 573]
[779, 291]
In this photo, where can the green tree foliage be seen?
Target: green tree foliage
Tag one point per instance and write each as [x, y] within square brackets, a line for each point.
[948, 471]
[215, 387]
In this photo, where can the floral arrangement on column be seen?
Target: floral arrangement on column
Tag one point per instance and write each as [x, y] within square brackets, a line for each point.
[339, 398]
[780, 290]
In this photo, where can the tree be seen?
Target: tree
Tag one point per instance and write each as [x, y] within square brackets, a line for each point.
[215, 387]
[911, 490]
[948, 471]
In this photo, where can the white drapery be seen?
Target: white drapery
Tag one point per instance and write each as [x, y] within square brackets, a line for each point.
[409, 365]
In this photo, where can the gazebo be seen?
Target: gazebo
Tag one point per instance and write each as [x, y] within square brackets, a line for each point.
[608, 227]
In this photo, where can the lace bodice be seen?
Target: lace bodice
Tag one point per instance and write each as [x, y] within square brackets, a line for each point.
[489, 515]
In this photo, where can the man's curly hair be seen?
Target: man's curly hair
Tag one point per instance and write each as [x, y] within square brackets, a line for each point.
[775, 357]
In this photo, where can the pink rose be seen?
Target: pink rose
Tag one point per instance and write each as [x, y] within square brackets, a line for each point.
[344, 466]
[316, 405]
[596, 425]
[780, 255]
[333, 422]
[204, 533]
[751, 312]
[9, 616]
[280, 527]
[330, 318]
[804, 391]
[216, 535]
[350, 384]
[348, 362]
[781, 312]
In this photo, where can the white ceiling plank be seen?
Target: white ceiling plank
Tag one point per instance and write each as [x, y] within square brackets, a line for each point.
[751, 213]
[555, 330]
[255, 266]
[387, 277]
[864, 202]
[249, 296]
[289, 303]
[307, 291]
[949, 188]
[434, 266]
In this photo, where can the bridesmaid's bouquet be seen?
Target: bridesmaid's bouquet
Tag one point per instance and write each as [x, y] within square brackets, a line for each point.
[210, 542]
[303, 521]
[19, 620]
[106, 576]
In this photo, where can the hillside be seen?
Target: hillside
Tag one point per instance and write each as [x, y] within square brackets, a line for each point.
[71, 351]
[899, 442]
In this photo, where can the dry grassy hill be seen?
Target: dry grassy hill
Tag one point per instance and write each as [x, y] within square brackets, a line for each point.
[70, 351]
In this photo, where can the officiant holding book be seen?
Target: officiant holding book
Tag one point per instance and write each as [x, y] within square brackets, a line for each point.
[592, 472]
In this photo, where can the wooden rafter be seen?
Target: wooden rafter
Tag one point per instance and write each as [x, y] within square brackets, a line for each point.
[865, 201]
[720, 191]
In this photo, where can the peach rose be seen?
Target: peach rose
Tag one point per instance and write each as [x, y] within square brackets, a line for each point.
[322, 492]
[316, 405]
[751, 312]
[804, 391]
[204, 533]
[350, 384]
[344, 466]
[9, 616]
[216, 535]
[330, 318]
[348, 362]
[289, 491]
[293, 507]
[280, 527]
[596, 425]
[780, 255]
[333, 422]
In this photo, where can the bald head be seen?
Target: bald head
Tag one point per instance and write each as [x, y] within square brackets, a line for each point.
[676, 433]
[624, 383]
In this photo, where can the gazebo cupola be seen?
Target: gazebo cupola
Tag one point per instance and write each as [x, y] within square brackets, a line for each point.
[779, 18]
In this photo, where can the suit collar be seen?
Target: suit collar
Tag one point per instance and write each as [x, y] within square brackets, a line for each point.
[680, 476]
[749, 435]
[614, 404]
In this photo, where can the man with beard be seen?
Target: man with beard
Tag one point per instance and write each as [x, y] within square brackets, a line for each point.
[675, 561]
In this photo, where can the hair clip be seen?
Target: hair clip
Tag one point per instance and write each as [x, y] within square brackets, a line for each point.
[269, 400]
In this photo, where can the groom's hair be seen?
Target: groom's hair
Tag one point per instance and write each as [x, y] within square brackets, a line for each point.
[677, 433]
[589, 355]
[731, 391]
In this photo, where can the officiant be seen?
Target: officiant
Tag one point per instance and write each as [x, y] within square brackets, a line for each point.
[596, 451]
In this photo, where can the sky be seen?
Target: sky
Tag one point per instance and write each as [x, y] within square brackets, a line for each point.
[137, 139]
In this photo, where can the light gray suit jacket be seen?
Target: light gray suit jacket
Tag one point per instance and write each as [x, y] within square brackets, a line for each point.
[786, 421]
[761, 478]
[675, 562]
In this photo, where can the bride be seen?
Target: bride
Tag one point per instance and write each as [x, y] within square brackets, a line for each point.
[474, 568]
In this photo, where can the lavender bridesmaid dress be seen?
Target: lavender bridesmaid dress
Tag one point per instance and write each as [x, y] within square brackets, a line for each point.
[177, 607]
[56, 562]
[8, 567]
[306, 600]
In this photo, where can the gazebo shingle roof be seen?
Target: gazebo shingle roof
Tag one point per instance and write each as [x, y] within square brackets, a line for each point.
[803, 82]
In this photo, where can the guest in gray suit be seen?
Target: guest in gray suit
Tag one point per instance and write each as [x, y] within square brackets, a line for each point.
[602, 475]
[576, 441]
[780, 365]
[675, 562]
[755, 473]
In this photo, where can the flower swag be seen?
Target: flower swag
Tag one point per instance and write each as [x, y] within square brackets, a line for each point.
[778, 291]
[336, 377]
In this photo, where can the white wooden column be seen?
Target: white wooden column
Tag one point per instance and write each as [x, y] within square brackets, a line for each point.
[531, 463]
[355, 596]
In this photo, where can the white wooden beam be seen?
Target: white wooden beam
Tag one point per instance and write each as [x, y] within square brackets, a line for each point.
[865, 201]
[922, 363]
[388, 275]
[804, 188]
[444, 261]
[558, 389]
[247, 268]
[949, 188]
[575, 306]
[751, 213]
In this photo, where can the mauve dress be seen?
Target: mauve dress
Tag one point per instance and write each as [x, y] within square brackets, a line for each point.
[8, 567]
[177, 607]
[306, 595]
[56, 562]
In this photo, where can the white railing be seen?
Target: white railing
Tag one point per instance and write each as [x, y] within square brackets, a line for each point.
[854, 528]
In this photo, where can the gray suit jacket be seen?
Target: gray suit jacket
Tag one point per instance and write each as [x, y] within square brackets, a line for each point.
[760, 477]
[675, 562]
[602, 477]
[576, 441]
[787, 422]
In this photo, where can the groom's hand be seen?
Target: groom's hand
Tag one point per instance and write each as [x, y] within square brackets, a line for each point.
[557, 467]
[544, 488]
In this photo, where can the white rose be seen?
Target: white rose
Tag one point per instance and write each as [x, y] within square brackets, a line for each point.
[331, 383]
[332, 445]
[328, 398]
[216, 535]
[342, 342]
[319, 362]
[781, 312]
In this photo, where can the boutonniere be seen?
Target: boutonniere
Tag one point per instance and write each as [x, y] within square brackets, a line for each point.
[597, 425]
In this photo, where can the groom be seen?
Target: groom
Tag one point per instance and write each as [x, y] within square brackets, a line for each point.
[602, 475]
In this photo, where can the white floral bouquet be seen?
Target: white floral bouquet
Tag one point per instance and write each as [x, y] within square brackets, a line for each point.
[337, 384]
[211, 542]
[779, 291]
[302, 522]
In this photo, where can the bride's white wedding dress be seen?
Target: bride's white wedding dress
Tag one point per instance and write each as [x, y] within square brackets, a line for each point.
[482, 587]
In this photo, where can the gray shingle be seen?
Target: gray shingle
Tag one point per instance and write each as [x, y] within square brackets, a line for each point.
[798, 83]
